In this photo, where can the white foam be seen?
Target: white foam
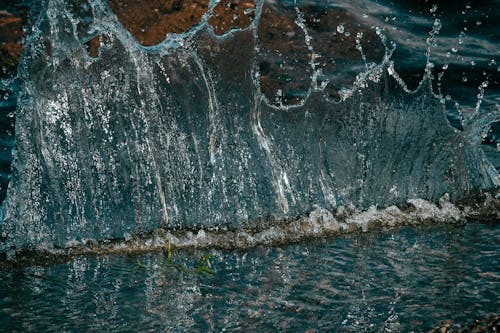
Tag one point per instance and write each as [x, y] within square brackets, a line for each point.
[319, 223]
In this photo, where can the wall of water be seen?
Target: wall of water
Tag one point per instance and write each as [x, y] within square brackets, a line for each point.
[184, 134]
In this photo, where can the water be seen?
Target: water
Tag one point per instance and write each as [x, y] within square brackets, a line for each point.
[332, 158]
[221, 129]
[397, 280]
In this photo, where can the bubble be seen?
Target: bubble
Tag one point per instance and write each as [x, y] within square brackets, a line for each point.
[461, 38]
[340, 29]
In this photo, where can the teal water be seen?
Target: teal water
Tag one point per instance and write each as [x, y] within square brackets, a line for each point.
[397, 280]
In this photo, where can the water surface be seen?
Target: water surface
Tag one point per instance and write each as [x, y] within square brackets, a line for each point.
[395, 280]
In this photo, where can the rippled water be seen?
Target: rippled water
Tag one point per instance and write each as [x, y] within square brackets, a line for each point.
[394, 280]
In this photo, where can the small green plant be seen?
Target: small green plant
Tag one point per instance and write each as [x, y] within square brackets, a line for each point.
[169, 252]
[203, 266]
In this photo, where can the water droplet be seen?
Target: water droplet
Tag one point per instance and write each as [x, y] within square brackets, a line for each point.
[473, 63]
[445, 66]
[479, 22]
[454, 50]
[464, 79]
[365, 15]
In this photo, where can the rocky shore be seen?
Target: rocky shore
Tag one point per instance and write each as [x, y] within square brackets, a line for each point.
[12, 22]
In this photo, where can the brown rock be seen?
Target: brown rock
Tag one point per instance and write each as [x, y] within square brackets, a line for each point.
[11, 34]
[9, 54]
[231, 14]
[94, 44]
[285, 57]
[150, 21]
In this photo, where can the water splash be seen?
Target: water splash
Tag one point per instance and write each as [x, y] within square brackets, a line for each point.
[182, 135]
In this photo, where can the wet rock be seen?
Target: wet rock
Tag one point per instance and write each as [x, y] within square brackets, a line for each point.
[231, 14]
[11, 34]
[330, 35]
[9, 55]
[284, 57]
[94, 44]
[335, 39]
[150, 21]
[489, 324]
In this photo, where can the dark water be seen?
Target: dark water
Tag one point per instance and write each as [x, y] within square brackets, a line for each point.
[407, 279]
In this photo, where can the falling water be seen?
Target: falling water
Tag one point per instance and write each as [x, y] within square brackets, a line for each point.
[193, 133]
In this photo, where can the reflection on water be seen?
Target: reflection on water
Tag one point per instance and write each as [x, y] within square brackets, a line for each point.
[402, 280]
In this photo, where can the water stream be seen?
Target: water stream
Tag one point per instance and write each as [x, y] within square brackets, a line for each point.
[209, 131]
